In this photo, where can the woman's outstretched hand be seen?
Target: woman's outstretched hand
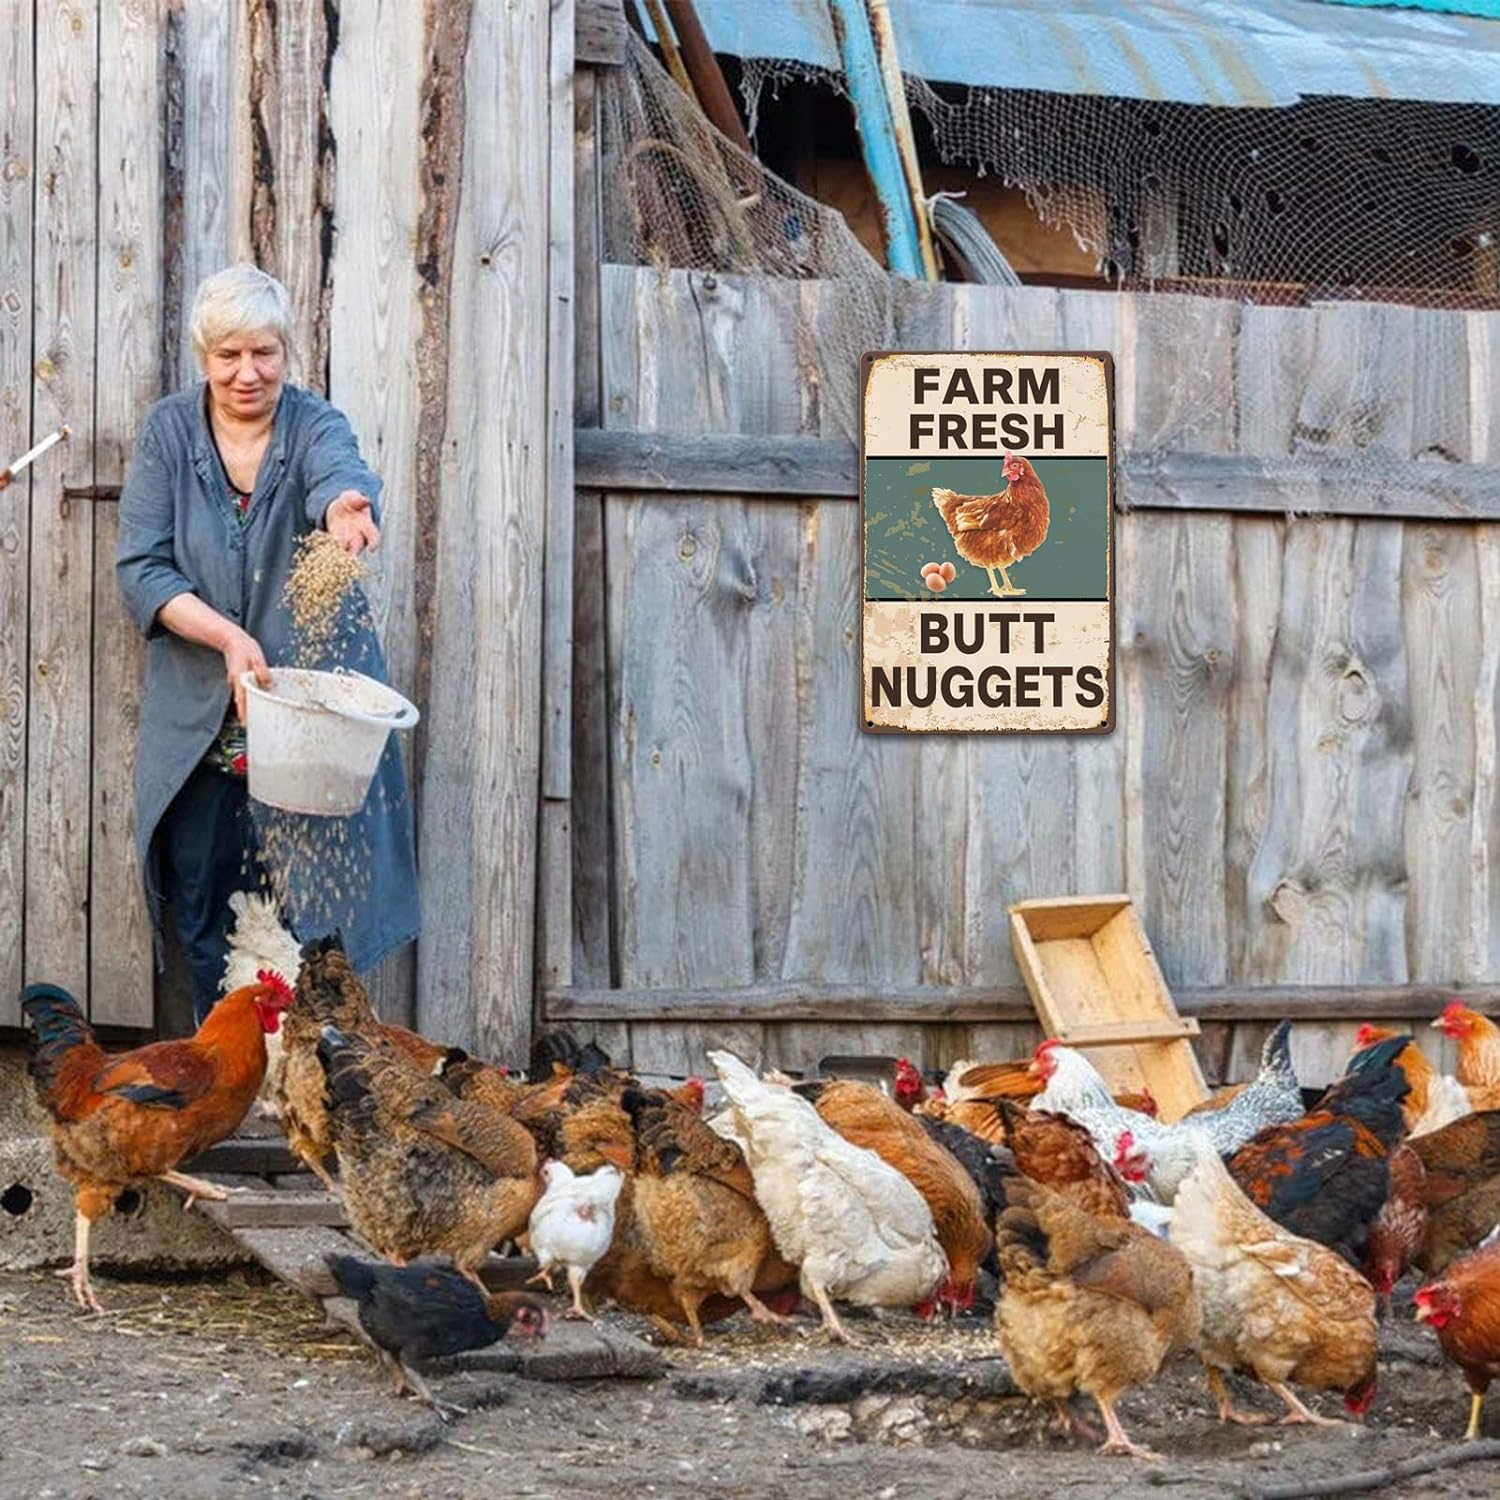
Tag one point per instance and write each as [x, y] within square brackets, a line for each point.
[351, 524]
[242, 654]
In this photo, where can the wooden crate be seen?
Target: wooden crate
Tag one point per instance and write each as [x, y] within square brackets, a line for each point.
[1096, 986]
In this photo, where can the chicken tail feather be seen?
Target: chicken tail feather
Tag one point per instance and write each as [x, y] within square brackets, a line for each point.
[59, 1028]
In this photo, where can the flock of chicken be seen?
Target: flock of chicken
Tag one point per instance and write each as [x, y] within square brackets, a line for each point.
[1256, 1231]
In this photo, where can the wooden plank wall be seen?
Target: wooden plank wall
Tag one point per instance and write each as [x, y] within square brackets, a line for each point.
[1301, 787]
[17, 187]
[382, 161]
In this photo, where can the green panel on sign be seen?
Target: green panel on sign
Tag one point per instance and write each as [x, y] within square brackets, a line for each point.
[904, 529]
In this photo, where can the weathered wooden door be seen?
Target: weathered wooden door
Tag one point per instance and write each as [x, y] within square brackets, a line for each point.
[79, 345]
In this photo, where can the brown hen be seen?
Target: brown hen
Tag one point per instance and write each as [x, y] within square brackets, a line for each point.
[423, 1173]
[995, 532]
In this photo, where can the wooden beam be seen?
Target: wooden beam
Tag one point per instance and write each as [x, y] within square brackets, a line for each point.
[852, 1003]
[775, 468]
[600, 34]
[716, 463]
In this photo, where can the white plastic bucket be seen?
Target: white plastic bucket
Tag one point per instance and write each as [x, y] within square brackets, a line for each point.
[314, 739]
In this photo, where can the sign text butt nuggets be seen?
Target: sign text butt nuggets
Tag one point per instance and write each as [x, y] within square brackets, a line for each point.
[988, 542]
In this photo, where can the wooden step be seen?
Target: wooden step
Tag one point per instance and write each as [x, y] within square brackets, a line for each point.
[250, 1155]
[1127, 1033]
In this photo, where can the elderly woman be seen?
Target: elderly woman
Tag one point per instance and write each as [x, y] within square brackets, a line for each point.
[225, 480]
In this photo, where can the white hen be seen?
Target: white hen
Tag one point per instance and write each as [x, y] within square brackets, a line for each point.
[573, 1224]
[257, 942]
[855, 1227]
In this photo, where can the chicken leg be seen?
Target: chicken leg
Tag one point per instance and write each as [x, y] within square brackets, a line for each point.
[195, 1188]
[407, 1379]
[1475, 1408]
[1296, 1413]
[1118, 1442]
[1008, 590]
[1228, 1412]
[761, 1313]
[78, 1273]
[576, 1276]
[831, 1324]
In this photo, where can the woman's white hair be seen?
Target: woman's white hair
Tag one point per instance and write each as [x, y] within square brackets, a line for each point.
[239, 299]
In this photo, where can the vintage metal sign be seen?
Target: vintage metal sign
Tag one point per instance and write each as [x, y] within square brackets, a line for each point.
[988, 542]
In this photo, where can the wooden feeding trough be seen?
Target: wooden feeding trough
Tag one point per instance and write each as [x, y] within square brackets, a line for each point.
[1096, 986]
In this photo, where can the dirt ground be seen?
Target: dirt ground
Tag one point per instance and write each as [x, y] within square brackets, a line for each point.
[232, 1385]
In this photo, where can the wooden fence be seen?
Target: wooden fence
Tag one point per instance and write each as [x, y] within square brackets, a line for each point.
[1300, 792]
[640, 785]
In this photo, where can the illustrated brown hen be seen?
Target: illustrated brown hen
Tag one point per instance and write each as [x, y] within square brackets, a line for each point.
[866, 1117]
[995, 532]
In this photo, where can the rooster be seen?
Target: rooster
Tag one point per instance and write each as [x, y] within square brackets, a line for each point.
[125, 1117]
[995, 532]
[1327, 1176]
[1436, 1099]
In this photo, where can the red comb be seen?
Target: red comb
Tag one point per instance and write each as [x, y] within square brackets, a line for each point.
[1044, 1047]
[279, 986]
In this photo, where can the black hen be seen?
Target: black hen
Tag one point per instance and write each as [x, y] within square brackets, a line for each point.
[1326, 1176]
[426, 1310]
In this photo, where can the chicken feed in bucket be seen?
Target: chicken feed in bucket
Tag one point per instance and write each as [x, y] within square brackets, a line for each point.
[314, 739]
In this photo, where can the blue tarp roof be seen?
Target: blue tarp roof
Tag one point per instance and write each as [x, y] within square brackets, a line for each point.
[1222, 52]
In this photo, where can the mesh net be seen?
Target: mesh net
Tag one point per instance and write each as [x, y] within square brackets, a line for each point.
[678, 194]
[1329, 199]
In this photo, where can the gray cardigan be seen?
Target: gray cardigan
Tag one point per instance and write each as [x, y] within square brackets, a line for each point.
[179, 533]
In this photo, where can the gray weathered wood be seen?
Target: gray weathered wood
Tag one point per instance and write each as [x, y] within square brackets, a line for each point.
[557, 580]
[776, 465]
[755, 1005]
[478, 794]
[600, 34]
[273, 1208]
[709, 463]
[555, 843]
[590, 857]
[121, 966]
[374, 322]
[210, 122]
[292, 205]
[17, 186]
[62, 532]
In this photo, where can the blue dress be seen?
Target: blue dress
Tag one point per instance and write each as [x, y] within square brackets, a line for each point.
[179, 533]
